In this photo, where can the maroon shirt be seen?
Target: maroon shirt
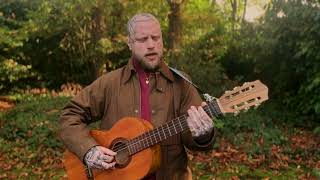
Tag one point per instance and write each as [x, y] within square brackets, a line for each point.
[144, 98]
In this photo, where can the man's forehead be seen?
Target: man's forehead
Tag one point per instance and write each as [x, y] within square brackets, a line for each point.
[146, 26]
[142, 17]
[145, 22]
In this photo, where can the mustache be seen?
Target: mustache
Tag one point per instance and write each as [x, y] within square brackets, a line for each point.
[151, 53]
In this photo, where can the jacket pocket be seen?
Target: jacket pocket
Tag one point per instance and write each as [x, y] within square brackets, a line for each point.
[172, 149]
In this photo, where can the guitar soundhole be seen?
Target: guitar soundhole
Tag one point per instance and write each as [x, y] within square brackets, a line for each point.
[123, 157]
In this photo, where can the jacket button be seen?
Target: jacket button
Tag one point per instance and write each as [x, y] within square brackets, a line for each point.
[153, 112]
[136, 111]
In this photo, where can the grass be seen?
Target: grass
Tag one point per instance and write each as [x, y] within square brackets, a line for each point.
[28, 143]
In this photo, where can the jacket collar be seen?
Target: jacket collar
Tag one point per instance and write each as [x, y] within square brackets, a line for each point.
[129, 70]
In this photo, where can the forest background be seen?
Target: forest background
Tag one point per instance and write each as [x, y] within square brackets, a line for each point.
[50, 49]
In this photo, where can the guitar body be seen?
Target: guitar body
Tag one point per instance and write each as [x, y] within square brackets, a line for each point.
[136, 166]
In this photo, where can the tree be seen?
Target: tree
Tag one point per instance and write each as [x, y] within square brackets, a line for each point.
[283, 52]
[175, 29]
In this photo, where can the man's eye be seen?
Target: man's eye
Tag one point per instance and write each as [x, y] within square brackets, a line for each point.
[155, 38]
[142, 39]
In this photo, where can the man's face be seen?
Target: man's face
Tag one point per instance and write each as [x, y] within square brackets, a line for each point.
[146, 44]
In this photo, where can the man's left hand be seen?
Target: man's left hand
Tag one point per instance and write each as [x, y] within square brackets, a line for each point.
[198, 121]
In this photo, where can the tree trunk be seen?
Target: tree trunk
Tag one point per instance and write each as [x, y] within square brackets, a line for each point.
[234, 7]
[96, 35]
[175, 28]
[244, 10]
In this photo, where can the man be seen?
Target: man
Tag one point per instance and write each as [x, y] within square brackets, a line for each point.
[144, 88]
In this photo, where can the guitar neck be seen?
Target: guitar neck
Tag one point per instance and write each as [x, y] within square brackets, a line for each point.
[168, 129]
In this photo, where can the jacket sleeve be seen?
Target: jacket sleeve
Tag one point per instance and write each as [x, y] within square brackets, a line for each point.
[86, 107]
[190, 97]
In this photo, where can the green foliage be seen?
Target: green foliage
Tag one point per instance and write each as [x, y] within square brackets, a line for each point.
[12, 18]
[317, 131]
[283, 52]
[299, 52]
[260, 125]
[35, 120]
[201, 60]
[316, 172]
[78, 38]
[11, 73]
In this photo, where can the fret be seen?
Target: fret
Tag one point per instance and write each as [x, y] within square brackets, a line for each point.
[180, 124]
[155, 137]
[149, 138]
[211, 106]
[133, 145]
[146, 139]
[128, 146]
[168, 128]
[141, 143]
[164, 133]
[143, 140]
[137, 144]
[215, 109]
[216, 106]
[174, 126]
[210, 111]
[152, 138]
[158, 134]
[185, 124]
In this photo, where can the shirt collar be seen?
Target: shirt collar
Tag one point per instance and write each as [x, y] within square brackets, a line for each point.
[129, 70]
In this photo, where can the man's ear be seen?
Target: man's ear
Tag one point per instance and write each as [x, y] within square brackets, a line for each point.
[129, 43]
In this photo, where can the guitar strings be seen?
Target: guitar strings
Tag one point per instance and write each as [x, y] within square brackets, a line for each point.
[148, 135]
[151, 134]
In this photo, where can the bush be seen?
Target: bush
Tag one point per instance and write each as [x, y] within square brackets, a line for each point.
[262, 126]
[13, 74]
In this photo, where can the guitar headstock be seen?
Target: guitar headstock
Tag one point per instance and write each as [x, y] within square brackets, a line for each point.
[250, 94]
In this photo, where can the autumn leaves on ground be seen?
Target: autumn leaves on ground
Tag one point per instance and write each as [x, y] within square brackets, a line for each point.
[251, 146]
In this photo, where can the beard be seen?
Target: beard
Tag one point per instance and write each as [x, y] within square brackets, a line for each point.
[146, 64]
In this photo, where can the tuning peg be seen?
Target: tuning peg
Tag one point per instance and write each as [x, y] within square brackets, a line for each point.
[236, 87]
[256, 105]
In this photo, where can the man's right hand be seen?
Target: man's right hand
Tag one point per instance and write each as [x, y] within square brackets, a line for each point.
[100, 157]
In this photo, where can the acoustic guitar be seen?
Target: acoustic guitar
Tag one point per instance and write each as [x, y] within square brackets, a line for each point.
[137, 142]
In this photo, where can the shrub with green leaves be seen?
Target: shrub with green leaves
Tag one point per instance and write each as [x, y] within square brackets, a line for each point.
[11, 72]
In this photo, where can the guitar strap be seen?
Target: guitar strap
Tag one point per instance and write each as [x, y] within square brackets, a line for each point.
[180, 74]
[206, 96]
[177, 90]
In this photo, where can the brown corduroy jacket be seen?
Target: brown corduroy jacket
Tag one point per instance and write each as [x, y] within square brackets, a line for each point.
[116, 95]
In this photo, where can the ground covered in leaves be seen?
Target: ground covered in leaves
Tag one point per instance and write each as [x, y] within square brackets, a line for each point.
[299, 159]
[248, 147]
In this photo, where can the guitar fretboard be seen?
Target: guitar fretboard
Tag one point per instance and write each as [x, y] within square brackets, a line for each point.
[167, 130]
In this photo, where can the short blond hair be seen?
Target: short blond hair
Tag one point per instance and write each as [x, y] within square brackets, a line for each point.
[138, 18]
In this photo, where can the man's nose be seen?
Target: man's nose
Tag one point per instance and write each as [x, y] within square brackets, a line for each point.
[150, 43]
